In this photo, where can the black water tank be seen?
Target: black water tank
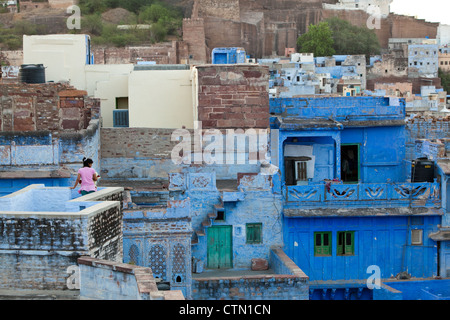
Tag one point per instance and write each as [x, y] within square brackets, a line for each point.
[422, 170]
[32, 73]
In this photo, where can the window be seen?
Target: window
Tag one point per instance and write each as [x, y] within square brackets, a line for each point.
[220, 215]
[322, 244]
[301, 171]
[254, 233]
[417, 237]
[350, 163]
[297, 170]
[345, 243]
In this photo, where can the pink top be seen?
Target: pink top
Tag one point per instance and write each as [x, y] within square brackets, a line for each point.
[87, 183]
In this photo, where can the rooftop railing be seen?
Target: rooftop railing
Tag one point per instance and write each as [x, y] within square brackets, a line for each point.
[417, 194]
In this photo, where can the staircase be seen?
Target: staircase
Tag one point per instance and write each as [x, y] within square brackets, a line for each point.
[225, 197]
[209, 220]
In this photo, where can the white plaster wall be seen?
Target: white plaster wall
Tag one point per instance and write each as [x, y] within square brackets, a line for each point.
[160, 99]
[107, 82]
[443, 34]
[63, 56]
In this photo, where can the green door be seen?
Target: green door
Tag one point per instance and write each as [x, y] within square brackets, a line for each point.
[219, 247]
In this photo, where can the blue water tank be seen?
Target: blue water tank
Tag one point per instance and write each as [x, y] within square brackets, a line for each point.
[231, 55]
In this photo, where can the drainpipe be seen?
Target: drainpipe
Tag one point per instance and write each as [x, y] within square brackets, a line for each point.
[438, 258]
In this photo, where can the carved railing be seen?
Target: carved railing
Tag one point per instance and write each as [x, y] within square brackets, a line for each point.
[417, 193]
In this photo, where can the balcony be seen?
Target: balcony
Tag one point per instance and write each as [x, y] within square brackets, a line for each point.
[381, 195]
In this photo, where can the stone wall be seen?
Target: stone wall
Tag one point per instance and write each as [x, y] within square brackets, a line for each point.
[175, 52]
[265, 27]
[194, 37]
[233, 96]
[40, 107]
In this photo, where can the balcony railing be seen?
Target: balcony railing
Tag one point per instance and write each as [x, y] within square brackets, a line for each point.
[417, 194]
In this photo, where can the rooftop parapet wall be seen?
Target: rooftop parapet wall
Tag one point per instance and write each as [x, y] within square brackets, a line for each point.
[288, 282]
[339, 108]
[120, 282]
[45, 107]
[37, 247]
[81, 226]
[48, 154]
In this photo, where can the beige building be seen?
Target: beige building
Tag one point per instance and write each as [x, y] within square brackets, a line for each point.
[444, 59]
[64, 56]
[161, 97]
[109, 83]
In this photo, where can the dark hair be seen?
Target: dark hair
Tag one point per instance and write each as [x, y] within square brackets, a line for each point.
[87, 161]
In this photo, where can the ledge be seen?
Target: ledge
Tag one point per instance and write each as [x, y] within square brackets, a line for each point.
[35, 174]
[362, 212]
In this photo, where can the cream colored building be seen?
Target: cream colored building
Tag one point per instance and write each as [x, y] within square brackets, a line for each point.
[156, 96]
[64, 56]
[109, 83]
[444, 59]
[161, 98]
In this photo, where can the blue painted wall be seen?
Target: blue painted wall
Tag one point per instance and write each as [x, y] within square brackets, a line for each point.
[8, 186]
[382, 150]
[423, 289]
[381, 241]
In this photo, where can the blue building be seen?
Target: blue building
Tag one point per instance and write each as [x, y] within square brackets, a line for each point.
[423, 60]
[349, 203]
[228, 55]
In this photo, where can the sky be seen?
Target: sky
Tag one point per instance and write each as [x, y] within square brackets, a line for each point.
[430, 10]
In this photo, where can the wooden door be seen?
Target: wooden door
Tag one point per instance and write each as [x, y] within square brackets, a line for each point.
[220, 248]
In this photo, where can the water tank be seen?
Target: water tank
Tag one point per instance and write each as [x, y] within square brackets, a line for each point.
[32, 73]
[422, 170]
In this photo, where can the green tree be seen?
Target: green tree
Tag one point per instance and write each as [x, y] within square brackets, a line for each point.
[92, 24]
[318, 40]
[352, 40]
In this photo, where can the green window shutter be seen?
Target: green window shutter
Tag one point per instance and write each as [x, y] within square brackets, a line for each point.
[254, 233]
[345, 243]
[322, 243]
[349, 243]
[340, 243]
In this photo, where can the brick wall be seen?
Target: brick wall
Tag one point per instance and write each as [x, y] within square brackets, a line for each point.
[233, 96]
[194, 37]
[133, 154]
[162, 53]
[51, 106]
[136, 142]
